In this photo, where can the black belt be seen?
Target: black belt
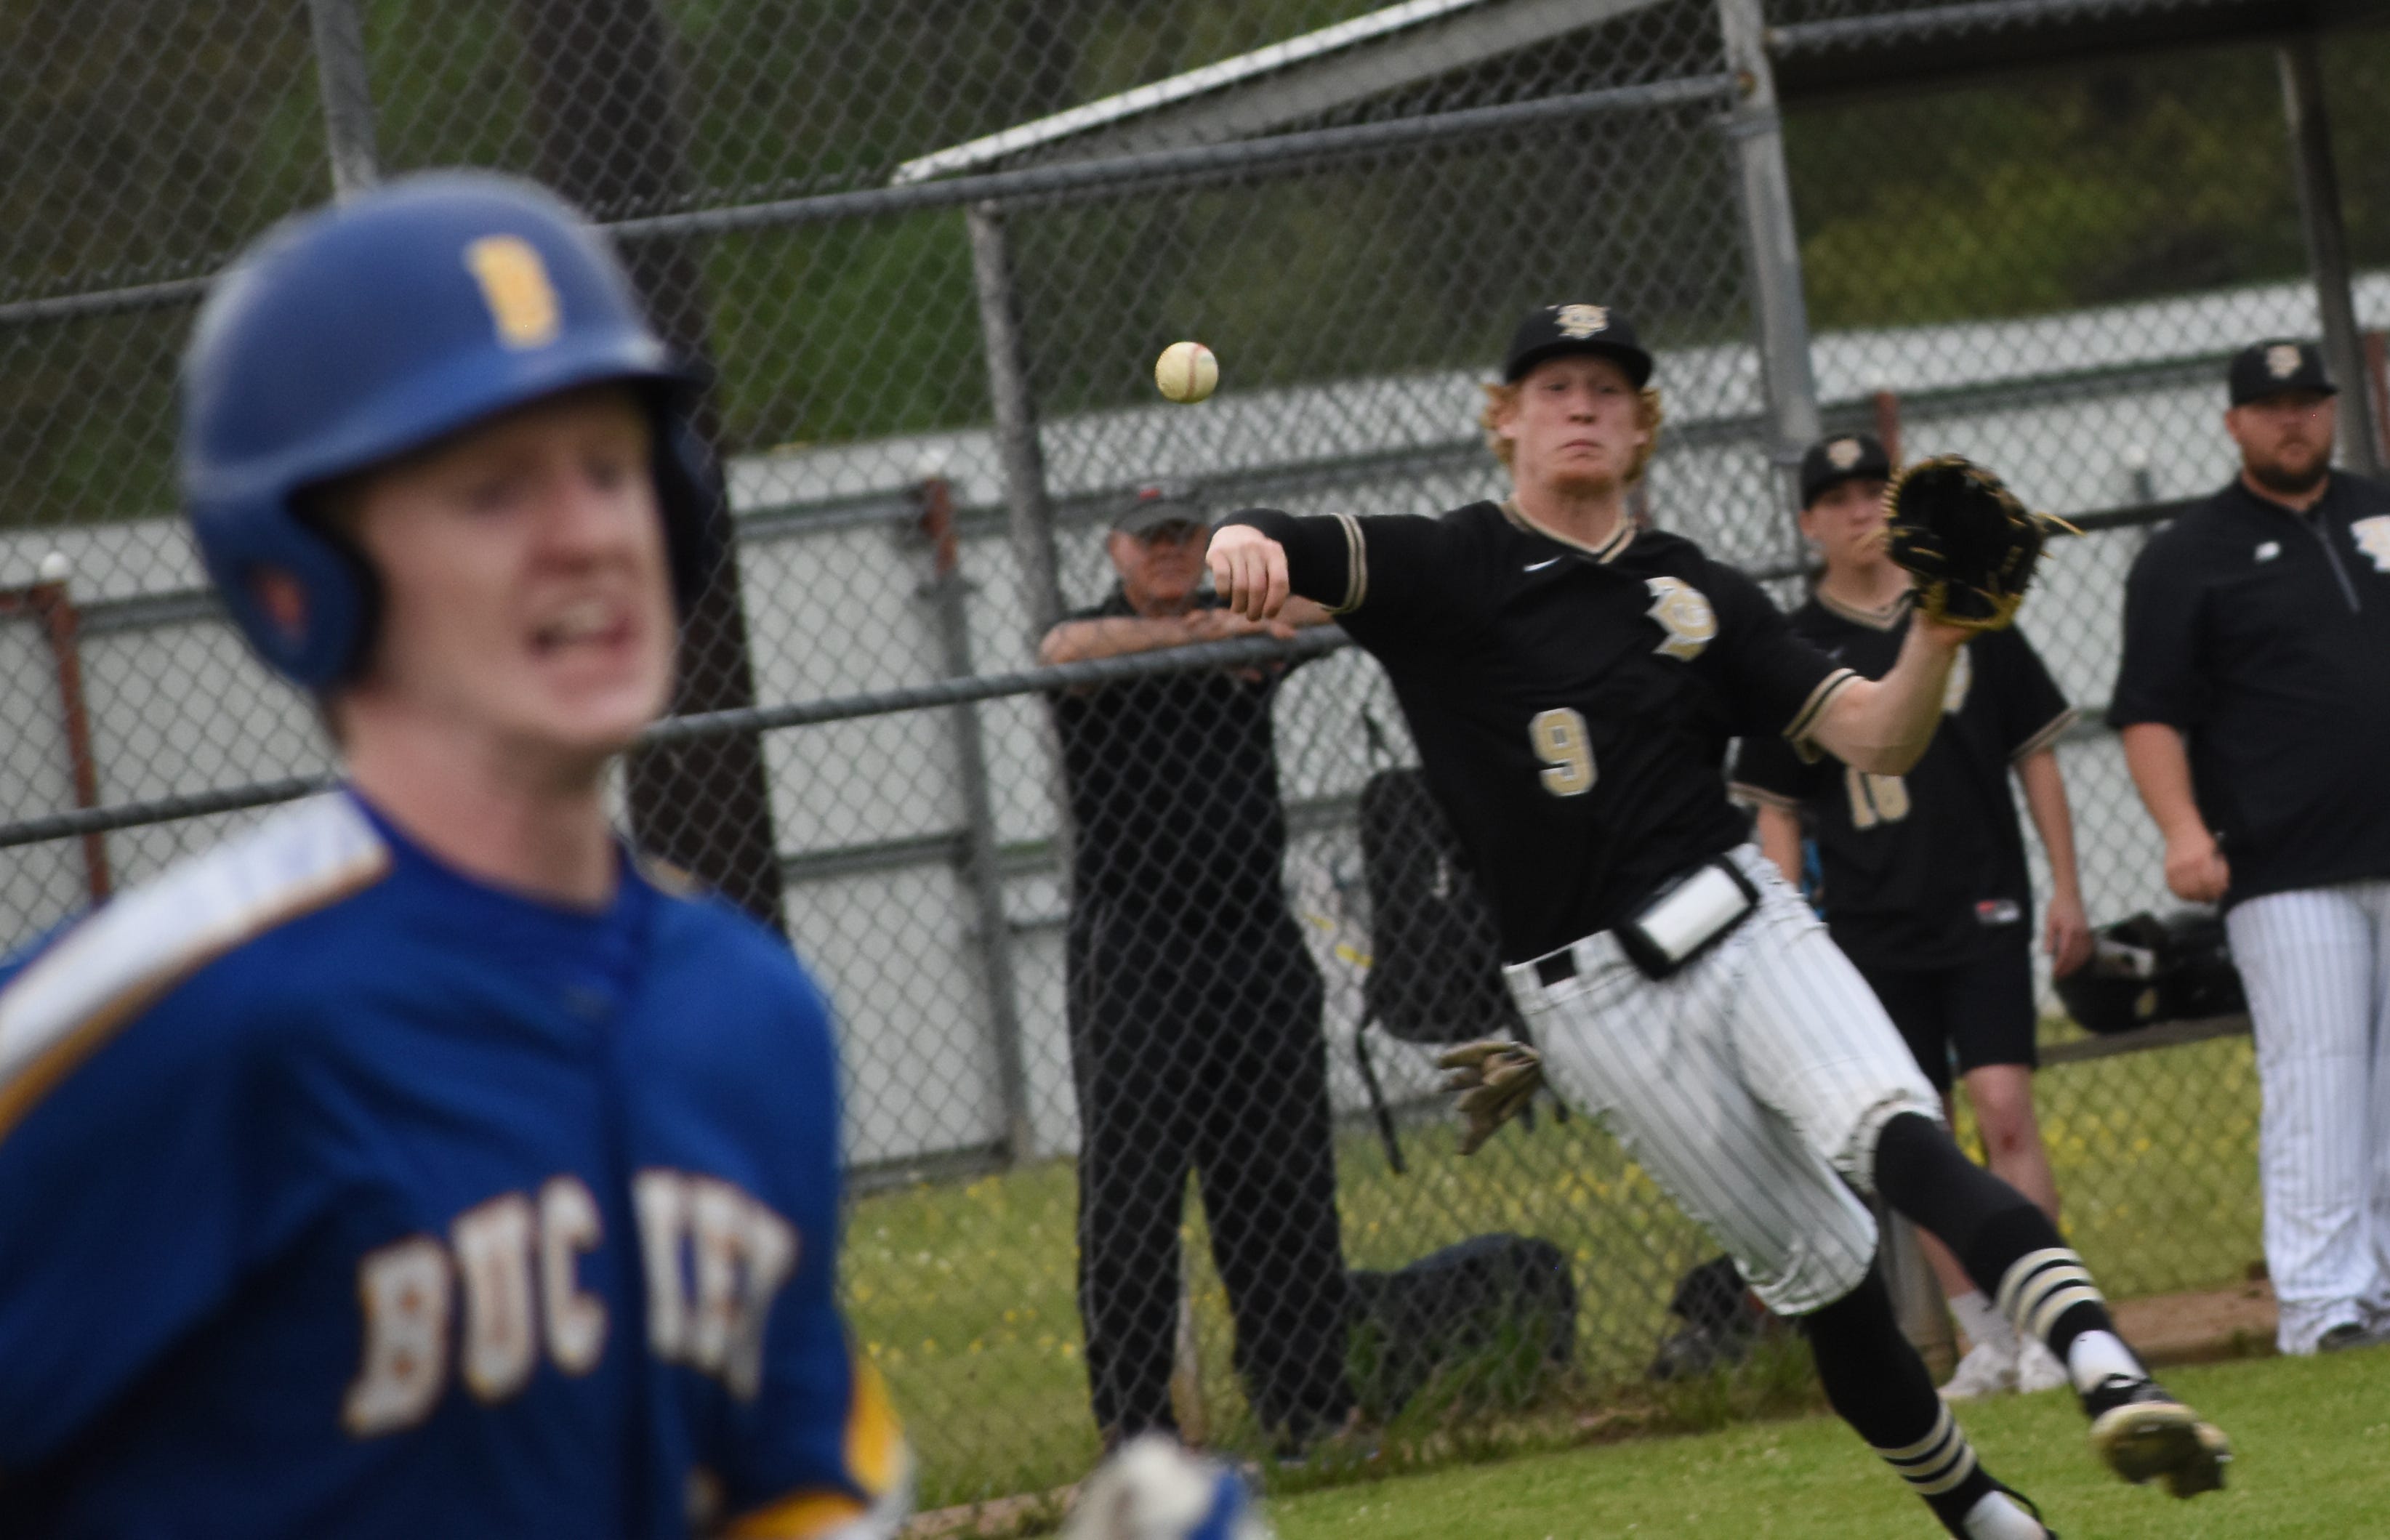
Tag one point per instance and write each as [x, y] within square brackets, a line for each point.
[1556, 967]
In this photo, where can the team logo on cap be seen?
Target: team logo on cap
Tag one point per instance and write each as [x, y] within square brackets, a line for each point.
[515, 286]
[1842, 454]
[2372, 536]
[1685, 615]
[2282, 360]
[1579, 322]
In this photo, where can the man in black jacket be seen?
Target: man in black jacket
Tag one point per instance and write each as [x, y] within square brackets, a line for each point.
[1178, 857]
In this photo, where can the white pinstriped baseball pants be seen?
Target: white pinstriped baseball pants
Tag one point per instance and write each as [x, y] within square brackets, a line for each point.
[1743, 1085]
[2316, 965]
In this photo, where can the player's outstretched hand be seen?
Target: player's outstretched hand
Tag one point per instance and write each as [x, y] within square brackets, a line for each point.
[1496, 1077]
[1249, 571]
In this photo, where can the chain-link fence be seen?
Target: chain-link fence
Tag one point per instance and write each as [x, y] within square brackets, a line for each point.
[931, 251]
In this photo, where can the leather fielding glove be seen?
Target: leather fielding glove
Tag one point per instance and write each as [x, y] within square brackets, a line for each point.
[1967, 540]
[1496, 1077]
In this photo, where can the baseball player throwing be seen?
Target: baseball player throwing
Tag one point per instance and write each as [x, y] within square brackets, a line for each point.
[419, 1161]
[1572, 683]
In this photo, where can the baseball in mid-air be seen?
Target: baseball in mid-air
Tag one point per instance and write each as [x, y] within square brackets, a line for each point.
[1186, 371]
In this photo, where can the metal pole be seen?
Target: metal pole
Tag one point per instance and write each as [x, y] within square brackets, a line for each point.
[2328, 249]
[947, 592]
[347, 94]
[1771, 243]
[1016, 418]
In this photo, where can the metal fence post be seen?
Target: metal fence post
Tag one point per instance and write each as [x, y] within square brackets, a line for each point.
[948, 592]
[1031, 514]
[339, 35]
[1771, 242]
[2319, 211]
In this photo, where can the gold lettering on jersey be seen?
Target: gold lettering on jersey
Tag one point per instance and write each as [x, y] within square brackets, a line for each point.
[576, 1320]
[1961, 679]
[1684, 614]
[1561, 741]
[493, 1243]
[1842, 454]
[1875, 799]
[405, 1291]
[524, 305]
[716, 1259]
[2282, 360]
[1579, 322]
[508, 1270]
[2372, 537]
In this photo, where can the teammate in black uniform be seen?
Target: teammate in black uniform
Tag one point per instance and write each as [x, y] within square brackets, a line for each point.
[1924, 874]
[1572, 684]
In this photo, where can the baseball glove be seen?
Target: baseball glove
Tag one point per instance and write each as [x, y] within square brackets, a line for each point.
[1966, 539]
[1497, 1078]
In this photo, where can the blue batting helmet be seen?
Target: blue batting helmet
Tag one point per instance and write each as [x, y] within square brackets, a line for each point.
[355, 333]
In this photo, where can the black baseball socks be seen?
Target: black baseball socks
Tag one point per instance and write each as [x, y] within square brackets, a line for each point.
[2007, 1246]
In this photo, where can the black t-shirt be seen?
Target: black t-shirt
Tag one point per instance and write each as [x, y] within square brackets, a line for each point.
[1926, 869]
[1571, 707]
[1173, 793]
[2264, 637]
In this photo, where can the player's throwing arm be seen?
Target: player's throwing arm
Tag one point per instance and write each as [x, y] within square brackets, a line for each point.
[1249, 571]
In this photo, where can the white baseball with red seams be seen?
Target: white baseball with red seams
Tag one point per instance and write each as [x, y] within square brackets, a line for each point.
[1187, 372]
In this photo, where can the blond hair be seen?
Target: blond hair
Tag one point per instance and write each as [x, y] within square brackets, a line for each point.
[1502, 400]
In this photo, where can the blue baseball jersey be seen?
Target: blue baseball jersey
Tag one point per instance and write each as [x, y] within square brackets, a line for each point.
[343, 1195]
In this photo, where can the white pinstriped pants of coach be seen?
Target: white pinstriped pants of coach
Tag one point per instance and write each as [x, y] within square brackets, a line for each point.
[2316, 965]
[1743, 1084]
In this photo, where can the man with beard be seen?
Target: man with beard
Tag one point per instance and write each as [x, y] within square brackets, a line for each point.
[2254, 706]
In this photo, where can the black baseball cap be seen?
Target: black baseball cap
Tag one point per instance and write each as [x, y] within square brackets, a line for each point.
[1159, 502]
[1550, 330]
[1840, 457]
[2277, 366]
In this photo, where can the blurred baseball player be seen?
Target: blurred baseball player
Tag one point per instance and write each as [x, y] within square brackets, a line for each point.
[1572, 683]
[2254, 707]
[419, 1161]
[1924, 874]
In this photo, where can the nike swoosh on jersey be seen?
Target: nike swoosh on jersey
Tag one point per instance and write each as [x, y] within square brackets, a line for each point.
[1539, 566]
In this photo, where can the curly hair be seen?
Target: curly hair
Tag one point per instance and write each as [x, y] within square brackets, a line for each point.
[1502, 400]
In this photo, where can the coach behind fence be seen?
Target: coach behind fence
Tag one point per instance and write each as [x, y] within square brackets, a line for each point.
[2256, 715]
[1180, 846]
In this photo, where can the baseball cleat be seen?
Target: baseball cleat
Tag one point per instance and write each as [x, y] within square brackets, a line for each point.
[2143, 1434]
[1985, 1372]
[2037, 1370]
[2032, 1508]
[2349, 1334]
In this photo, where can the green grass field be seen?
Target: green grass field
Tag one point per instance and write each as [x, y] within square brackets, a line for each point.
[2311, 1437]
[962, 1293]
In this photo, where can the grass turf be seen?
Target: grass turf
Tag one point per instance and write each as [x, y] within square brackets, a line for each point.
[2311, 1439]
[963, 1294]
